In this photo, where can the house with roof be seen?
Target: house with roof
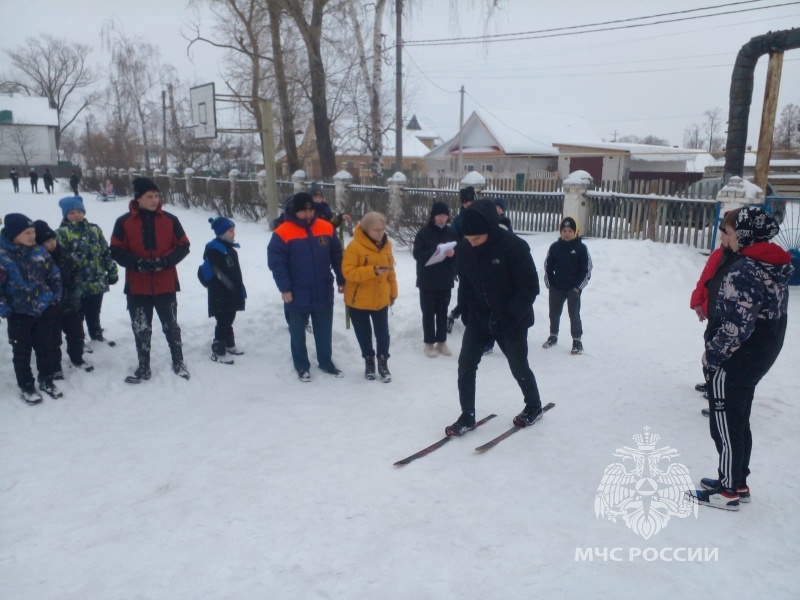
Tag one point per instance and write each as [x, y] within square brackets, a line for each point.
[529, 145]
[27, 132]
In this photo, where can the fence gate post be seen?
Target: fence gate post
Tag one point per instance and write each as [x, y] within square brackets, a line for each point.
[396, 197]
[188, 173]
[233, 176]
[341, 201]
[299, 181]
[576, 202]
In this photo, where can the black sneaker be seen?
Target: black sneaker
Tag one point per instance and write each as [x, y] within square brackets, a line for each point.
[49, 388]
[333, 371]
[550, 342]
[700, 387]
[369, 368]
[529, 415]
[705, 412]
[577, 347]
[707, 483]
[223, 359]
[303, 375]
[58, 375]
[465, 423]
[234, 350]
[142, 373]
[31, 396]
[450, 322]
[180, 370]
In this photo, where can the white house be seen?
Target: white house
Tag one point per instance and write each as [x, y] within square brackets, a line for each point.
[27, 131]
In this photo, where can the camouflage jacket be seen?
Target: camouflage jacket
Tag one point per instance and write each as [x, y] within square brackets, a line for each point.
[753, 295]
[85, 243]
[30, 281]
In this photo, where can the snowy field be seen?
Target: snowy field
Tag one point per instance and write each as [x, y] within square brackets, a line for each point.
[244, 483]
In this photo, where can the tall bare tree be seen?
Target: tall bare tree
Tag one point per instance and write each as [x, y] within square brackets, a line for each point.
[787, 132]
[693, 137]
[713, 128]
[55, 69]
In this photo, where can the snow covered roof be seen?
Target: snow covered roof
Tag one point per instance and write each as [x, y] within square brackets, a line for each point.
[29, 110]
[514, 132]
[652, 153]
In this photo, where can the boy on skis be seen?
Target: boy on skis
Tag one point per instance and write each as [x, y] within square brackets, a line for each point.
[222, 275]
[30, 290]
[567, 270]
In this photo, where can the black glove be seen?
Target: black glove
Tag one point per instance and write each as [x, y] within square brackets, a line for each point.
[113, 278]
[144, 265]
[159, 264]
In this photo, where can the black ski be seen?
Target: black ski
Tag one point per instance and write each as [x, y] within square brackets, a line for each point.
[492, 443]
[437, 445]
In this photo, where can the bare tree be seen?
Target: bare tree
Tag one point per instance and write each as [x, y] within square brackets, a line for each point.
[650, 139]
[55, 69]
[713, 128]
[787, 132]
[693, 137]
[20, 141]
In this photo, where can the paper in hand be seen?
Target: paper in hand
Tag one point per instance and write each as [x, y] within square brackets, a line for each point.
[439, 255]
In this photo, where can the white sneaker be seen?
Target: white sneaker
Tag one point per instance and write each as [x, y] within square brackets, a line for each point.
[443, 349]
[430, 351]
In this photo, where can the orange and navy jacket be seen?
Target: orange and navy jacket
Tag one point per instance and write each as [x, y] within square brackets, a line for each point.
[363, 288]
[149, 234]
[303, 258]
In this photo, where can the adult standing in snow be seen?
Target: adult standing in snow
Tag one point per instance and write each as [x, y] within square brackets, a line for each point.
[30, 291]
[567, 270]
[748, 300]
[370, 289]
[34, 177]
[435, 282]
[14, 180]
[149, 242]
[74, 180]
[498, 284]
[48, 179]
[304, 254]
[467, 196]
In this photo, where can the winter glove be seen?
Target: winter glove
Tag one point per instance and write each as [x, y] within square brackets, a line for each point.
[144, 265]
[113, 278]
[159, 264]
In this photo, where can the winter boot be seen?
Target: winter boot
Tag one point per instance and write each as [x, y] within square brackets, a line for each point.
[49, 388]
[529, 415]
[303, 375]
[58, 375]
[332, 370]
[700, 387]
[369, 368]
[82, 364]
[443, 349]
[31, 396]
[234, 350]
[577, 347]
[465, 423]
[707, 483]
[430, 351]
[705, 412]
[551, 341]
[383, 370]
[720, 497]
[180, 369]
[142, 373]
[219, 353]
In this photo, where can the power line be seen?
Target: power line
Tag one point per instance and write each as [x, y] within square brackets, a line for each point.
[460, 41]
[432, 82]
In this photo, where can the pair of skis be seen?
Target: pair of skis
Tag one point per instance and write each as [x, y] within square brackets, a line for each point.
[480, 449]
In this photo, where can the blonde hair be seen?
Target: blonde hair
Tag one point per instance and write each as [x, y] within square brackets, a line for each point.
[369, 219]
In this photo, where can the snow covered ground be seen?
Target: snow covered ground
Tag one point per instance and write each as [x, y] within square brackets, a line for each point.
[245, 483]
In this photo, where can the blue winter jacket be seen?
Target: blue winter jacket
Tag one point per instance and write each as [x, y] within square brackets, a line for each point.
[30, 281]
[303, 258]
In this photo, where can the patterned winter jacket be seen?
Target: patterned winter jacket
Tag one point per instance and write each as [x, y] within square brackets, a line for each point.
[30, 281]
[85, 243]
[749, 313]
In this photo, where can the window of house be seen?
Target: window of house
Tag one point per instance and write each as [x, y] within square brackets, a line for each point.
[414, 166]
[350, 164]
[6, 117]
[469, 167]
[487, 168]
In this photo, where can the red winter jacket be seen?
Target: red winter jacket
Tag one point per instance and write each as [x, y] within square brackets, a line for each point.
[149, 234]
[700, 292]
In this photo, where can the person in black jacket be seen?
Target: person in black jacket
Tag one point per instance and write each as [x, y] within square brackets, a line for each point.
[498, 284]
[435, 282]
[567, 270]
[34, 177]
[74, 180]
[14, 180]
[48, 179]
[222, 275]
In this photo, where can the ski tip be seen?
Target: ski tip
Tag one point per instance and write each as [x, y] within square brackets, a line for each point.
[549, 405]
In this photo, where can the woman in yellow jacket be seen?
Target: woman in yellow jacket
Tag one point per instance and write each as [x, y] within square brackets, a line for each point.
[370, 289]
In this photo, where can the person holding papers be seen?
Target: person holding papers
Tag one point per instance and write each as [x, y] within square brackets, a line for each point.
[435, 279]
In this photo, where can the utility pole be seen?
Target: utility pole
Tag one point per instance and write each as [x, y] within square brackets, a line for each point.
[773, 86]
[460, 162]
[164, 129]
[398, 92]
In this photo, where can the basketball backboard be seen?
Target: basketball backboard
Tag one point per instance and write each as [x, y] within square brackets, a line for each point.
[204, 111]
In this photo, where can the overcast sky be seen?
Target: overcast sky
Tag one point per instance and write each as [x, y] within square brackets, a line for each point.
[637, 80]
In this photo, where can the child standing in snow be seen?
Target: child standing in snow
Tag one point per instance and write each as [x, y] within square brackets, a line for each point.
[85, 243]
[30, 290]
[69, 318]
[567, 270]
[222, 275]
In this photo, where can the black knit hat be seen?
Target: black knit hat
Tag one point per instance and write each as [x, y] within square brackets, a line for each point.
[43, 232]
[300, 201]
[753, 224]
[474, 223]
[142, 185]
[568, 222]
[14, 224]
[440, 208]
[467, 194]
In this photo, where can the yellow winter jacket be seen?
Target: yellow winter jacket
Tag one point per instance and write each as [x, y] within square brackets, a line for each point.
[363, 288]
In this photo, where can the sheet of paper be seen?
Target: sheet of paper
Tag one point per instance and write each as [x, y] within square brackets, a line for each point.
[439, 255]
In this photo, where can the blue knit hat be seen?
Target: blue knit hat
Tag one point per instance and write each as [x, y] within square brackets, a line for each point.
[220, 225]
[501, 202]
[69, 203]
[14, 224]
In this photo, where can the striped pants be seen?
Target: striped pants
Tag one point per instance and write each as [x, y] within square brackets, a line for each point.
[730, 402]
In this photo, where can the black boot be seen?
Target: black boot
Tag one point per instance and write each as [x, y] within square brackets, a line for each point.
[142, 372]
[383, 370]
[369, 368]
